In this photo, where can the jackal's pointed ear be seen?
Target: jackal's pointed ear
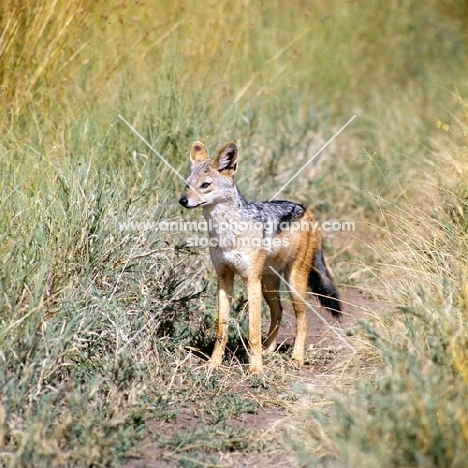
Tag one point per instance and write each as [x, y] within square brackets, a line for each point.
[198, 153]
[226, 161]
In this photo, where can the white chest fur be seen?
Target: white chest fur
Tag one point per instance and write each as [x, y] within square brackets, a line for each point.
[232, 238]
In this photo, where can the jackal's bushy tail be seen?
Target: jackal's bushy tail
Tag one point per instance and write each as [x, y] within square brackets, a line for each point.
[322, 284]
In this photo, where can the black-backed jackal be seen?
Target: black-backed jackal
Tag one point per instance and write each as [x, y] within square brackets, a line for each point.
[257, 240]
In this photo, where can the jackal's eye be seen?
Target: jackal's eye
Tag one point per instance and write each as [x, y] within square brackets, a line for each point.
[186, 187]
[205, 185]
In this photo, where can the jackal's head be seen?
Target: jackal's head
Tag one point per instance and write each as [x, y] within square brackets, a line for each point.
[210, 181]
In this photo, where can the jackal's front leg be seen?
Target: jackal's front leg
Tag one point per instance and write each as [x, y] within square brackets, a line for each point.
[225, 285]
[254, 290]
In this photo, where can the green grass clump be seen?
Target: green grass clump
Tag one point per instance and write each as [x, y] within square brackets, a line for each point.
[227, 407]
[72, 373]
[217, 438]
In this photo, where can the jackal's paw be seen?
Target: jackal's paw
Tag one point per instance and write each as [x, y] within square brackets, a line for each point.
[256, 369]
[269, 348]
[212, 364]
[298, 361]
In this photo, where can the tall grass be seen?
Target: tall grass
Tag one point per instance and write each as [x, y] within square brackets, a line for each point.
[98, 325]
[414, 412]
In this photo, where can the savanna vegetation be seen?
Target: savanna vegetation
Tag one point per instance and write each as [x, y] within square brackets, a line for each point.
[103, 330]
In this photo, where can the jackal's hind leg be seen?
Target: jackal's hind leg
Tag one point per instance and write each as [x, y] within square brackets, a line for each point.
[298, 281]
[270, 287]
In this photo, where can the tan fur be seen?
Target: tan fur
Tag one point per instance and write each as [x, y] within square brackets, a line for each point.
[252, 263]
[198, 152]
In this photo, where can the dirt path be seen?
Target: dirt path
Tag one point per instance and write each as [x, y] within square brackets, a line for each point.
[272, 420]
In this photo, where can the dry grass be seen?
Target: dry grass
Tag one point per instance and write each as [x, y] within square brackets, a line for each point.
[412, 412]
